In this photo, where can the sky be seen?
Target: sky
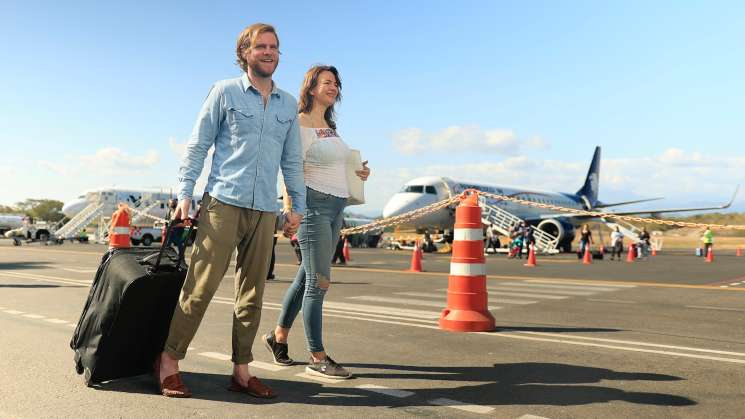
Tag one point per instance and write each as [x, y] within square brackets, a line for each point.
[501, 92]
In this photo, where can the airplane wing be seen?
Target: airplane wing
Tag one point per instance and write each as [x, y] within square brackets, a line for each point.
[651, 212]
[615, 204]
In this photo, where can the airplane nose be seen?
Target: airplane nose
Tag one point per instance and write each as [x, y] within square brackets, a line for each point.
[399, 204]
[73, 207]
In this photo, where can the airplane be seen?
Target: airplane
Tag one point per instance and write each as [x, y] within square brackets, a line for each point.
[135, 198]
[423, 191]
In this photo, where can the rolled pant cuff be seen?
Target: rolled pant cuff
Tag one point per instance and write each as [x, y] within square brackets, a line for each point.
[174, 354]
[243, 359]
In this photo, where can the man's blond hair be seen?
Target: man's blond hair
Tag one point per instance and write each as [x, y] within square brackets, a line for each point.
[247, 39]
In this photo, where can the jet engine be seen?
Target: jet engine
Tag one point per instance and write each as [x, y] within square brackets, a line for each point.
[563, 230]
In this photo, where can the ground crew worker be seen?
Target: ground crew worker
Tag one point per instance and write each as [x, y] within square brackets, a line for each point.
[708, 239]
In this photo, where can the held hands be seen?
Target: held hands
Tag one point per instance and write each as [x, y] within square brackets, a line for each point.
[292, 223]
[364, 173]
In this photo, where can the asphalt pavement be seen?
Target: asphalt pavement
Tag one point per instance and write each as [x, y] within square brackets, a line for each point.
[664, 337]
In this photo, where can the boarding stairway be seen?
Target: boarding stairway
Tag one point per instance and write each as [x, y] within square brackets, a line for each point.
[79, 221]
[504, 222]
[141, 214]
[628, 230]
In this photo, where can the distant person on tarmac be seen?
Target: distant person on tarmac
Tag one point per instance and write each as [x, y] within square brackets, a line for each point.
[585, 239]
[517, 240]
[492, 239]
[325, 155]
[616, 240]
[339, 252]
[528, 236]
[644, 242]
[708, 239]
[239, 204]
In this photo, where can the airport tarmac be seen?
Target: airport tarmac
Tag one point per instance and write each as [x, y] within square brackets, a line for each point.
[658, 338]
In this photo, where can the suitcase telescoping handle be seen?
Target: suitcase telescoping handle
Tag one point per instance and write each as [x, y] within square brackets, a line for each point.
[190, 222]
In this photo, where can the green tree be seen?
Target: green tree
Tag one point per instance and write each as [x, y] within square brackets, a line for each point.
[42, 209]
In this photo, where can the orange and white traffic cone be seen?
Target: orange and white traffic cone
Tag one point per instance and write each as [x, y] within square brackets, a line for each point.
[119, 237]
[531, 257]
[739, 252]
[587, 260]
[710, 255]
[654, 251]
[345, 250]
[416, 259]
[467, 306]
[631, 255]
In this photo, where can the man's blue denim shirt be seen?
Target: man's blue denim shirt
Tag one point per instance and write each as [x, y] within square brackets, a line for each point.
[251, 143]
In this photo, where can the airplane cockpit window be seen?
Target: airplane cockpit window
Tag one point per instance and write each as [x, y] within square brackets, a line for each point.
[430, 190]
[413, 189]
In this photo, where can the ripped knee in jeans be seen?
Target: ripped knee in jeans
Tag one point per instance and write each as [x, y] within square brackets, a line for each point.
[320, 284]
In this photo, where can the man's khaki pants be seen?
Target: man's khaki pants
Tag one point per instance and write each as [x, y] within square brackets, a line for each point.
[222, 228]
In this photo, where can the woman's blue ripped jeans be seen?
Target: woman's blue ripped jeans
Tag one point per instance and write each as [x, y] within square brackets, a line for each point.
[318, 235]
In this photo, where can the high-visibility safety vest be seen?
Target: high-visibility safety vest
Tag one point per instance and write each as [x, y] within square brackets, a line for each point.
[119, 230]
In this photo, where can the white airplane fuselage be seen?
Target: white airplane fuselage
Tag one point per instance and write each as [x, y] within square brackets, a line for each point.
[424, 191]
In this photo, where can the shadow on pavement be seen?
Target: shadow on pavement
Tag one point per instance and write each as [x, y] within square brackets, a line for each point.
[22, 265]
[527, 383]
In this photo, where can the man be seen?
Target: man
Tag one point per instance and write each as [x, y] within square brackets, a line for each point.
[708, 239]
[616, 239]
[253, 128]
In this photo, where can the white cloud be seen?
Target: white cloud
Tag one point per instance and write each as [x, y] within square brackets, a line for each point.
[112, 160]
[462, 139]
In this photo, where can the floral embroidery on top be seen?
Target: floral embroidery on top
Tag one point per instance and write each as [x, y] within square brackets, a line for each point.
[326, 132]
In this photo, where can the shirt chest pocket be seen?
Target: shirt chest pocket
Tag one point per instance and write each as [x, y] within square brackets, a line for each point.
[243, 125]
[280, 126]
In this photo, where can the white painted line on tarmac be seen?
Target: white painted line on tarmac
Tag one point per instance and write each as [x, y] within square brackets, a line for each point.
[443, 296]
[401, 394]
[716, 308]
[599, 300]
[80, 271]
[379, 316]
[48, 278]
[71, 325]
[536, 286]
[541, 291]
[531, 417]
[735, 283]
[55, 321]
[216, 355]
[407, 301]
[473, 408]
[14, 312]
[320, 379]
[33, 316]
[604, 284]
[267, 366]
[420, 314]
[521, 292]
[531, 295]
[190, 348]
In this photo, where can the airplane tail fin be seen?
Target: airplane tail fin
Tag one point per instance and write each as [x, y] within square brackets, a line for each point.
[589, 191]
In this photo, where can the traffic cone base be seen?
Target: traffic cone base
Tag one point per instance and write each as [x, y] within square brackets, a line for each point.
[466, 320]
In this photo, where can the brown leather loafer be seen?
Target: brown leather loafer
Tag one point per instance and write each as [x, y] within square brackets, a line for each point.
[172, 386]
[254, 388]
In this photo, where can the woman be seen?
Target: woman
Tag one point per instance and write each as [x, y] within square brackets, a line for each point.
[324, 156]
[585, 239]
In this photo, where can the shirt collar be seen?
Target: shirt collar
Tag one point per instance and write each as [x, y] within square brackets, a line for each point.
[246, 83]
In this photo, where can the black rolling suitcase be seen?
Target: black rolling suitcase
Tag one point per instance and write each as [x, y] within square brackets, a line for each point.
[126, 317]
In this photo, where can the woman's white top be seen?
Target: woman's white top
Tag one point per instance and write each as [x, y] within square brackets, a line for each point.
[325, 161]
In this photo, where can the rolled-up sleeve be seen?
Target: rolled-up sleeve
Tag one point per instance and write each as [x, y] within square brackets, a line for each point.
[292, 168]
[202, 138]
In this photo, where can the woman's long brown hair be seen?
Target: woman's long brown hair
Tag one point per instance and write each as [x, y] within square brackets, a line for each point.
[309, 83]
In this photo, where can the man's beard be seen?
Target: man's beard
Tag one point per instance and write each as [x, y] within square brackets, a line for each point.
[256, 69]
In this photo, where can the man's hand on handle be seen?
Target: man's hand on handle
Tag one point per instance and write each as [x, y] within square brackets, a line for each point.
[182, 210]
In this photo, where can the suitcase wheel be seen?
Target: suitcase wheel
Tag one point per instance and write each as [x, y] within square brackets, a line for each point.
[79, 367]
[87, 377]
